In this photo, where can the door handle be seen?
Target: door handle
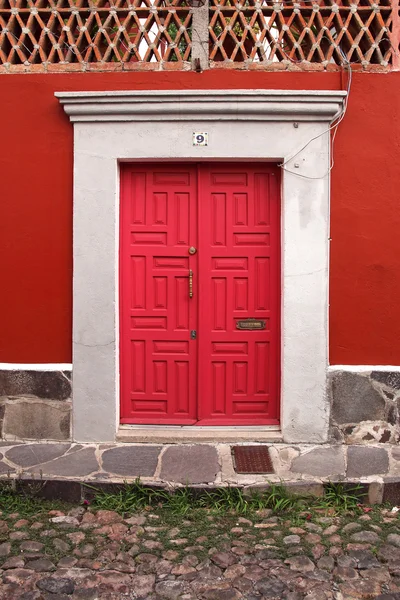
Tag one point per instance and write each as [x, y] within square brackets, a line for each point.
[190, 283]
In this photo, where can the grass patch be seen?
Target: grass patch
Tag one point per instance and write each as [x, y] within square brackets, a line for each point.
[227, 499]
[130, 497]
[133, 497]
[340, 497]
[26, 504]
[277, 497]
[136, 496]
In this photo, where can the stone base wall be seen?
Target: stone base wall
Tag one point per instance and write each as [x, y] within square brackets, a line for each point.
[365, 407]
[35, 405]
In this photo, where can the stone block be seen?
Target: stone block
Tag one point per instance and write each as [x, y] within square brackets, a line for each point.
[53, 385]
[305, 488]
[5, 469]
[391, 491]
[28, 455]
[354, 399]
[335, 435]
[35, 419]
[132, 461]
[388, 378]
[363, 461]
[74, 464]
[321, 462]
[370, 432]
[190, 464]
[375, 492]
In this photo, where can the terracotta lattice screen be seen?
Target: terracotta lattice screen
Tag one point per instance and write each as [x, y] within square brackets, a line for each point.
[170, 34]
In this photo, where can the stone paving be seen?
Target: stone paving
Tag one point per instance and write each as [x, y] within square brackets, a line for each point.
[175, 463]
[80, 554]
[201, 464]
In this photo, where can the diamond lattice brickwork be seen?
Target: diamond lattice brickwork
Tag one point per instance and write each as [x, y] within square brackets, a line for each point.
[301, 33]
[57, 35]
[86, 32]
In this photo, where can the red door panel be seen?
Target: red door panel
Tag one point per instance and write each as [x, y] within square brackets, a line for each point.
[222, 375]
[239, 279]
[158, 359]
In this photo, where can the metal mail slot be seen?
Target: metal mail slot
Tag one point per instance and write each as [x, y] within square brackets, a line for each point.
[251, 324]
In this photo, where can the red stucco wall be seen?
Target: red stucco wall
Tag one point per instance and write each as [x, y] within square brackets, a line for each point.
[36, 209]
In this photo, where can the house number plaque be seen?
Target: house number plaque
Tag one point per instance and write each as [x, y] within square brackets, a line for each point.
[200, 138]
[251, 324]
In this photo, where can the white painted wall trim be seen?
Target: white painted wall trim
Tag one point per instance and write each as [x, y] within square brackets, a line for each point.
[363, 368]
[158, 126]
[36, 367]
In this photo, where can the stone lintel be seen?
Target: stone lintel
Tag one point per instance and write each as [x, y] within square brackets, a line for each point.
[203, 105]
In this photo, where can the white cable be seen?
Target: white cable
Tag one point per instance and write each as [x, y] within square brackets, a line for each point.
[333, 127]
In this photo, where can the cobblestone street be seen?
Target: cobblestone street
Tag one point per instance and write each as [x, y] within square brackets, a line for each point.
[80, 554]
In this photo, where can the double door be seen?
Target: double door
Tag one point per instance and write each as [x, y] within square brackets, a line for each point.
[199, 294]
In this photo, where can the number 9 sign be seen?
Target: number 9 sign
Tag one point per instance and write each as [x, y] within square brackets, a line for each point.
[200, 138]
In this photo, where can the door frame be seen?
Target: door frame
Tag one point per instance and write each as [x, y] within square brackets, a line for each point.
[243, 125]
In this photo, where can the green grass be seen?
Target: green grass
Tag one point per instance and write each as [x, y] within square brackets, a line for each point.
[129, 498]
[136, 496]
[277, 497]
[227, 499]
[340, 497]
[26, 505]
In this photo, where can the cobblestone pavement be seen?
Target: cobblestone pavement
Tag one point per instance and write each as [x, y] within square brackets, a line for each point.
[82, 555]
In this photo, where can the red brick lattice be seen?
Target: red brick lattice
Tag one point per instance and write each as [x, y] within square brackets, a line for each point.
[86, 32]
[57, 35]
[324, 32]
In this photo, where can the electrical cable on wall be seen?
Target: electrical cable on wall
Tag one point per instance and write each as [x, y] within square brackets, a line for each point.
[333, 127]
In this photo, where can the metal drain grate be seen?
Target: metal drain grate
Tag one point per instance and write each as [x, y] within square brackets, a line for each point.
[252, 459]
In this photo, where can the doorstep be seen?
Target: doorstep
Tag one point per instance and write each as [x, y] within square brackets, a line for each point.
[175, 434]
[60, 465]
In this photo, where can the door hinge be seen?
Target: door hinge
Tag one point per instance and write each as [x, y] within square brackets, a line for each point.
[193, 334]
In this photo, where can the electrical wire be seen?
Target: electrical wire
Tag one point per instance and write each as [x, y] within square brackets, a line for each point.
[333, 127]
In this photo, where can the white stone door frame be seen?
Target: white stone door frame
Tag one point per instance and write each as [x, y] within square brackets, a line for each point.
[243, 125]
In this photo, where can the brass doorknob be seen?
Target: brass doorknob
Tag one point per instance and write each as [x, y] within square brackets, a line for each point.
[192, 250]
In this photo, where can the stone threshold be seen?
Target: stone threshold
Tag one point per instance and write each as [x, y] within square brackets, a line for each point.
[173, 434]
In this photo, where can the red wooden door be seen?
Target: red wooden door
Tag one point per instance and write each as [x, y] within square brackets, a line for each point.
[158, 359]
[230, 214]
[239, 369]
